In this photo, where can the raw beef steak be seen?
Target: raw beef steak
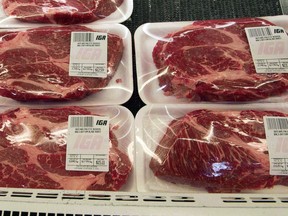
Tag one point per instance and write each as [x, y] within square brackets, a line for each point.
[33, 153]
[61, 12]
[211, 61]
[35, 64]
[220, 151]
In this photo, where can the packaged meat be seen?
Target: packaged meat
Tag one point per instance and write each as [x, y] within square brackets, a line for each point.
[208, 60]
[214, 148]
[33, 149]
[35, 66]
[67, 12]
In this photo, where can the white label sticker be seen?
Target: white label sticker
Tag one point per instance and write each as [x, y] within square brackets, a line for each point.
[269, 48]
[88, 143]
[88, 54]
[276, 129]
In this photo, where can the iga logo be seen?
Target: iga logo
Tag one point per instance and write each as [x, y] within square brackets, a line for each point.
[278, 31]
[89, 142]
[281, 144]
[101, 122]
[271, 48]
[100, 37]
[91, 54]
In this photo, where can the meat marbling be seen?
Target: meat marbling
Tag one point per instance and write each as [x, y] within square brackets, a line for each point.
[61, 12]
[222, 151]
[34, 65]
[211, 61]
[33, 153]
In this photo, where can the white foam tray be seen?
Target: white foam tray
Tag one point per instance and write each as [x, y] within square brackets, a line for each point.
[146, 37]
[151, 124]
[115, 92]
[122, 125]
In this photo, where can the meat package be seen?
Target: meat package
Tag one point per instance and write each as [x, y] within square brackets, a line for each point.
[33, 149]
[212, 148]
[207, 60]
[35, 65]
[68, 12]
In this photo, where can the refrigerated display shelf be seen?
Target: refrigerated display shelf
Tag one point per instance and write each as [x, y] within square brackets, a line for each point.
[14, 202]
[17, 209]
[99, 198]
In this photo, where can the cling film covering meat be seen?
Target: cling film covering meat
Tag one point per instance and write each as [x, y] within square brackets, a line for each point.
[33, 150]
[35, 65]
[207, 60]
[66, 12]
[216, 149]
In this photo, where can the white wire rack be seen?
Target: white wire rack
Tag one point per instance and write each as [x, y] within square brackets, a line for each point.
[47, 209]
[30, 200]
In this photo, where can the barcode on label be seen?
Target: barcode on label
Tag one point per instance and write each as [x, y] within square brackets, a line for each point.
[277, 123]
[83, 37]
[259, 32]
[81, 121]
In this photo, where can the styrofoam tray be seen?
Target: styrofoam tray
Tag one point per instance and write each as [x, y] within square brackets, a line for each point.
[120, 88]
[146, 37]
[121, 123]
[120, 15]
[151, 124]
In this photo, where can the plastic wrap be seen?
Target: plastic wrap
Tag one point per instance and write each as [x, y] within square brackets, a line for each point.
[33, 149]
[35, 64]
[206, 60]
[284, 6]
[66, 12]
[200, 148]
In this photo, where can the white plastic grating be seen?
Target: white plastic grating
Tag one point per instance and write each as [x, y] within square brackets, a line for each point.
[29, 209]
[98, 198]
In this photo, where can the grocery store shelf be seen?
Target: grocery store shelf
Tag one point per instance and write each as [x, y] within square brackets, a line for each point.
[98, 198]
[14, 202]
[25, 209]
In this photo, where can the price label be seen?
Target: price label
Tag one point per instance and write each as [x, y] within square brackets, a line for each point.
[88, 143]
[88, 54]
[269, 48]
[276, 129]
